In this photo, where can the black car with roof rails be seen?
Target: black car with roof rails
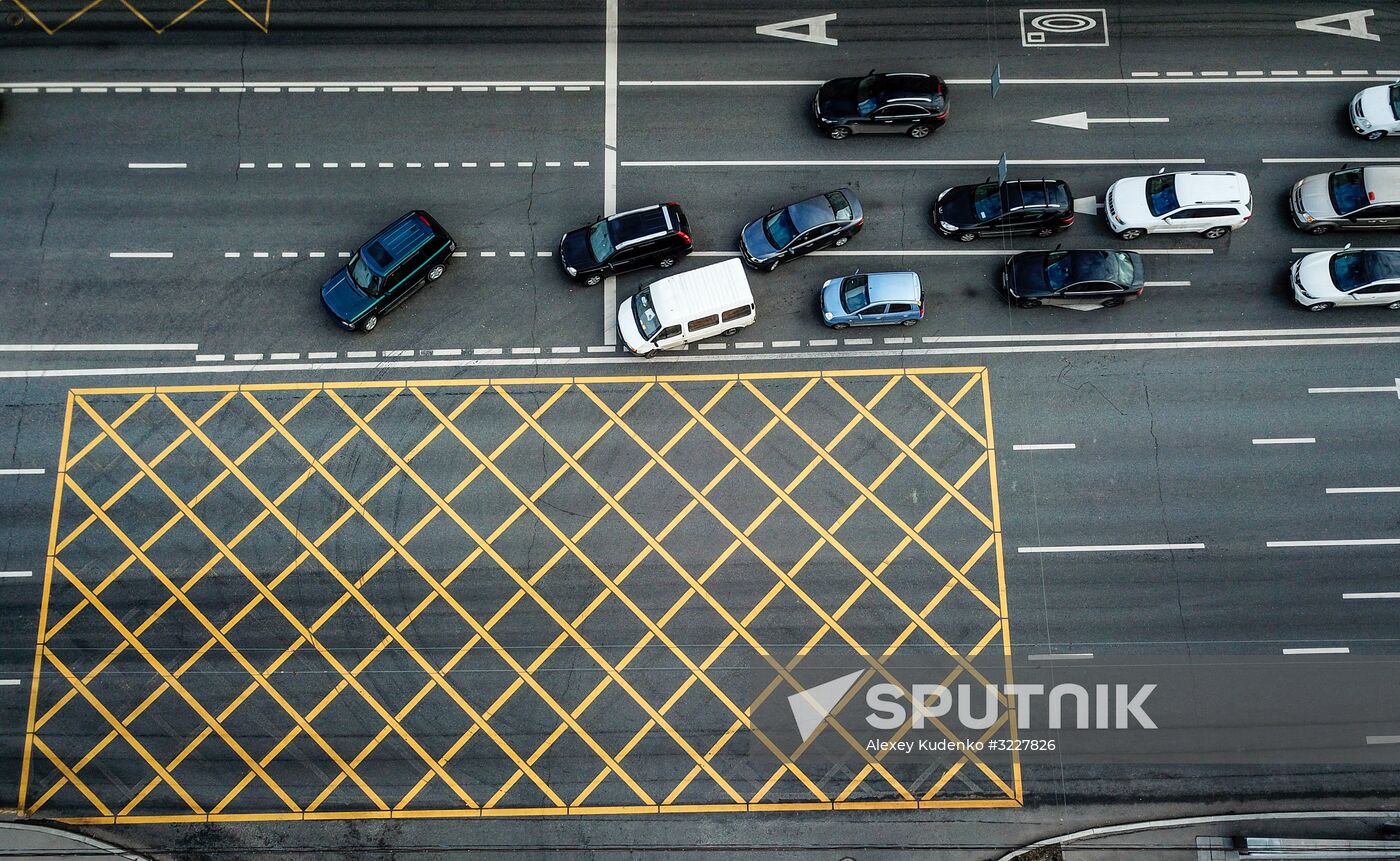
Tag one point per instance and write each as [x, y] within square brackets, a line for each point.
[391, 267]
[1075, 277]
[801, 228]
[909, 103]
[1039, 207]
[657, 235]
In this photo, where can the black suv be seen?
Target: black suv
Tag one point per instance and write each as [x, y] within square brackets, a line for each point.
[651, 236]
[887, 103]
[1040, 207]
[388, 269]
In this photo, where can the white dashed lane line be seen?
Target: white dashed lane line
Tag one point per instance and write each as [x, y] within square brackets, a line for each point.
[98, 87]
[316, 255]
[1044, 446]
[21, 471]
[1285, 440]
[390, 165]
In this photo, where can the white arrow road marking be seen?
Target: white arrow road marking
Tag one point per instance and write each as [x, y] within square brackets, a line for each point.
[1351, 24]
[812, 706]
[1081, 120]
[1087, 205]
[815, 28]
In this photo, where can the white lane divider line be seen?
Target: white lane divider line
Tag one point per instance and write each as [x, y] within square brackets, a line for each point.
[284, 357]
[15, 575]
[141, 255]
[1108, 548]
[1368, 596]
[603, 348]
[247, 357]
[1319, 650]
[156, 165]
[314, 356]
[9, 683]
[397, 354]
[1368, 158]
[361, 354]
[1044, 446]
[912, 162]
[1383, 739]
[98, 348]
[1061, 656]
[1166, 283]
[21, 471]
[210, 357]
[1363, 490]
[1336, 542]
[487, 351]
[1343, 390]
[1285, 440]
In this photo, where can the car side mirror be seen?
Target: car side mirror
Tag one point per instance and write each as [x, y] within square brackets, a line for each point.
[1161, 170]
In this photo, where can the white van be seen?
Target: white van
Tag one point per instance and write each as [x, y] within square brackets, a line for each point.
[685, 307]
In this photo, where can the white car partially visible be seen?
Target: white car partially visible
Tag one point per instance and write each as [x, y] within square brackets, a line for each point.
[1353, 276]
[1375, 111]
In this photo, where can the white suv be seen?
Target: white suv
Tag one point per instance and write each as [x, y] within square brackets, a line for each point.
[1208, 202]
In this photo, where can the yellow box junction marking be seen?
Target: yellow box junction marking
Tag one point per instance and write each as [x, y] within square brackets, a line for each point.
[257, 15]
[306, 601]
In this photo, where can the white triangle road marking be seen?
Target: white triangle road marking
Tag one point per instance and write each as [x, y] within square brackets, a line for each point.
[814, 29]
[1351, 24]
[813, 705]
[1087, 205]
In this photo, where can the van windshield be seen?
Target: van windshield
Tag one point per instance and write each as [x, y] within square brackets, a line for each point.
[363, 278]
[647, 321]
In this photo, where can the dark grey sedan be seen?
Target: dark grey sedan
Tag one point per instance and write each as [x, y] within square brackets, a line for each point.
[801, 228]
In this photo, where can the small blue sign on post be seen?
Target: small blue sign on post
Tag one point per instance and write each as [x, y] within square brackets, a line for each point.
[996, 79]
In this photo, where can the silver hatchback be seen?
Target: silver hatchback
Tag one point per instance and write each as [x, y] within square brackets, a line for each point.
[874, 299]
[1357, 198]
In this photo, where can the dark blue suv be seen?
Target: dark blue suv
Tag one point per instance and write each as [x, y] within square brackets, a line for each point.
[389, 268]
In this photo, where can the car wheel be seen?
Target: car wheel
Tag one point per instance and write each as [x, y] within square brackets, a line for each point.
[842, 241]
[728, 332]
[1375, 136]
[593, 280]
[1027, 303]
[1045, 231]
[917, 132]
[1131, 233]
[1394, 306]
[967, 236]
[1321, 229]
[368, 323]
[1215, 232]
[840, 325]
[666, 262]
[1112, 302]
[838, 133]
[773, 264]
[1321, 306]
[907, 322]
[436, 272]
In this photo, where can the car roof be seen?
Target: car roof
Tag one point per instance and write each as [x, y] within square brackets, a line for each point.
[1382, 264]
[1211, 186]
[893, 286]
[1014, 193]
[394, 243]
[909, 86]
[638, 224]
[1382, 184]
[816, 210]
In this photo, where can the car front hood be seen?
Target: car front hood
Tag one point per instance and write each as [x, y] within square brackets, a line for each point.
[1315, 275]
[1130, 200]
[574, 250]
[1028, 276]
[956, 209]
[344, 299]
[837, 99]
[1315, 199]
[831, 300]
[1375, 105]
[755, 243]
[627, 328]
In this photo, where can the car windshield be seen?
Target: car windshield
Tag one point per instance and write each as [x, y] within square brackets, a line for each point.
[986, 201]
[1353, 269]
[840, 205]
[362, 277]
[600, 241]
[867, 95]
[779, 229]
[1348, 192]
[1125, 268]
[854, 295]
[1395, 100]
[1161, 194]
[647, 321]
[1057, 269]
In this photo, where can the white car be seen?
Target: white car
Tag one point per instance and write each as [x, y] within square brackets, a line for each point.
[1352, 276]
[1208, 202]
[1375, 111]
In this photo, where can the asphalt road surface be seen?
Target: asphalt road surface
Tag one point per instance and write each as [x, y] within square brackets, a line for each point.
[480, 582]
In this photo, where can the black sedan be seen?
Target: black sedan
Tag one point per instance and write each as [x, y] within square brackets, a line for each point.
[886, 103]
[1039, 207]
[801, 228]
[1081, 277]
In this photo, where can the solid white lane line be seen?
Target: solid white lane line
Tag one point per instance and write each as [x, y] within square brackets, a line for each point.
[1383, 739]
[1319, 650]
[1339, 159]
[153, 165]
[1061, 656]
[21, 472]
[1366, 596]
[953, 252]
[1342, 390]
[911, 162]
[1336, 542]
[141, 255]
[1363, 490]
[610, 83]
[1285, 440]
[1166, 283]
[1108, 548]
[9, 683]
[1252, 76]
[97, 348]
[1044, 446]
[15, 575]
